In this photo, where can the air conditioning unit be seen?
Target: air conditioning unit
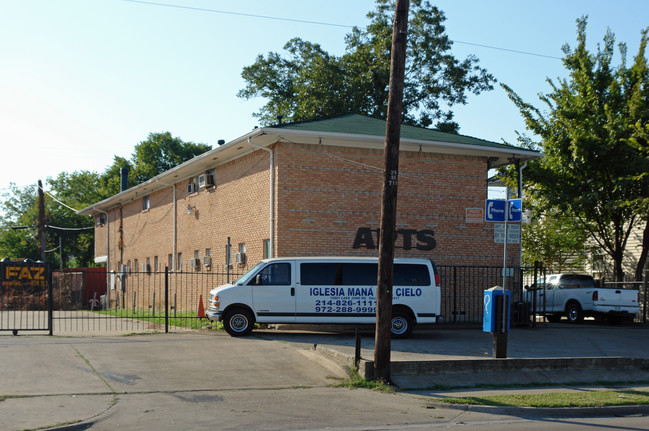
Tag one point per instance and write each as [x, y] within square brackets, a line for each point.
[210, 180]
[190, 188]
[201, 180]
[207, 260]
[240, 258]
[195, 263]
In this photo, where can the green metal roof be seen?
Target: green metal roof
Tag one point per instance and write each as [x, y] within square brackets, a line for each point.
[362, 125]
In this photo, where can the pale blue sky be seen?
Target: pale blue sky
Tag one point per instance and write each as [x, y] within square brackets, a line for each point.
[84, 80]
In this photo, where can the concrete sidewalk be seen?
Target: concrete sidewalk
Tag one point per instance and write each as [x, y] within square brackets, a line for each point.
[548, 354]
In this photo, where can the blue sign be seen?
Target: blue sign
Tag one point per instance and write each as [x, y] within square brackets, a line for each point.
[515, 212]
[495, 210]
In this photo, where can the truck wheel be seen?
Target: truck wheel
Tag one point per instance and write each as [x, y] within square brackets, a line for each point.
[238, 322]
[402, 324]
[574, 312]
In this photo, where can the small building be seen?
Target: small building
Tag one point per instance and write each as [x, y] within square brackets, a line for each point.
[311, 188]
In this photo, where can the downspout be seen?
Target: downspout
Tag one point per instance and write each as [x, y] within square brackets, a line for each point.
[107, 253]
[272, 195]
[520, 195]
[174, 226]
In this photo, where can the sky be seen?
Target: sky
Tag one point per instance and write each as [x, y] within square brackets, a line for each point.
[82, 81]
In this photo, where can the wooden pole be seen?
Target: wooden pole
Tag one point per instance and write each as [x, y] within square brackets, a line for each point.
[382, 345]
[41, 220]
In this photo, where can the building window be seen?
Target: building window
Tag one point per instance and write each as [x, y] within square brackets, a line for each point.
[179, 262]
[148, 265]
[266, 248]
[147, 203]
[155, 263]
[100, 220]
[170, 262]
[135, 263]
[192, 185]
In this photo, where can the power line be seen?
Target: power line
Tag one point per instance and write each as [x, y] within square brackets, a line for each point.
[277, 18]
[250, 15]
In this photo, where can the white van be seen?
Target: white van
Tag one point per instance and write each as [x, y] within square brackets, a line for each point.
[326, 290]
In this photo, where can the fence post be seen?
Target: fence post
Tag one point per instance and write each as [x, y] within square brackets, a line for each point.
[50, 300]
[166, 300]
[644, 290]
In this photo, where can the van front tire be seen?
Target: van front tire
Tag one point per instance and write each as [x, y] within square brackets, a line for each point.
[402, 324]
[238, 322]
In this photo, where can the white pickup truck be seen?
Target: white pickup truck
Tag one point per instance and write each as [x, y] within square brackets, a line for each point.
[576, 296]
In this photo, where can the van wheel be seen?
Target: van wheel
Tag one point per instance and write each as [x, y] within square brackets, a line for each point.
[402, 324]
[238, 322]
[574, 312]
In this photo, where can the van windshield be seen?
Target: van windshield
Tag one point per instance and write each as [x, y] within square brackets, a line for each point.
[245, 277]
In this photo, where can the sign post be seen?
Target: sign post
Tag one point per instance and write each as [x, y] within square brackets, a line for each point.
[503, 211]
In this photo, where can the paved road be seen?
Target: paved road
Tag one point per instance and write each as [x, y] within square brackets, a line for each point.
[274, 380]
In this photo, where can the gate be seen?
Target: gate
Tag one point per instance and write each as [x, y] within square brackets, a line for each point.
[25, 296]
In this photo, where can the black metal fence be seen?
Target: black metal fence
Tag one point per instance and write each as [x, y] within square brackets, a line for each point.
[89, 299]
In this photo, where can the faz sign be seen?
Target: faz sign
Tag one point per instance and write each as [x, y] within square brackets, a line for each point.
[411, 238]
[24, 275]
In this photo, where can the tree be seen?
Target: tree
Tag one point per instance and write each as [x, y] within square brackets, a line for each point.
[153, 156]
[70, 191]
[556, 241]
[591, 171]
[309, 83]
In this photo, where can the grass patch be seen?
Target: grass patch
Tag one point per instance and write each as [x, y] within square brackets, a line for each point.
[184, 319]
[355, 381]
[558, 399]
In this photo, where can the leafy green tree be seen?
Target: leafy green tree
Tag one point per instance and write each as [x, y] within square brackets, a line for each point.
[557, 241]
[18, 224]
[69, 192]
[591, 171]
[309, 83]
[153, 156]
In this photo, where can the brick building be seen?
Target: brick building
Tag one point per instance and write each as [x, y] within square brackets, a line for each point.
[310, 188]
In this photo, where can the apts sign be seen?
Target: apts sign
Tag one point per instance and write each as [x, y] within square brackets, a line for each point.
[406, 239]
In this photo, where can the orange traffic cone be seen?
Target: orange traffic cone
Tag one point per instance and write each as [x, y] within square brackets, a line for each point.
[201, 308]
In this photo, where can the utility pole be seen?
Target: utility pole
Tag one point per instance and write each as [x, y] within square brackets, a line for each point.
[41, 220]
[382, 341]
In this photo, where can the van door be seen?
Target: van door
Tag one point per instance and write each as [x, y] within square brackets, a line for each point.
[273, 293]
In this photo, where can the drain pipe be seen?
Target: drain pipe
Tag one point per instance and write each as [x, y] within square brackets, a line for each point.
[272, 195]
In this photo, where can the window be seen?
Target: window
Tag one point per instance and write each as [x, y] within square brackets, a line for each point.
[208, 252]
[210, 178]
[100, 220]
[192, 186]
[147, 203]
[155, 263]
[275, 274]
[266, 248]
[179, 262]
[170, 262]
[148, 264]
[135, 263]
[360, 274]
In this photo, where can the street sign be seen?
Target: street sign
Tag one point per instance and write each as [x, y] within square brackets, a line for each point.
[495, 210]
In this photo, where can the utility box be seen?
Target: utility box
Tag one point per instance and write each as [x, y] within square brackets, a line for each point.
[492, 312]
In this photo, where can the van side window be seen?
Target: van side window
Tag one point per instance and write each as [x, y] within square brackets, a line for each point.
[321, 274]
[411, 275]
[360, 274]
[275, 274]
